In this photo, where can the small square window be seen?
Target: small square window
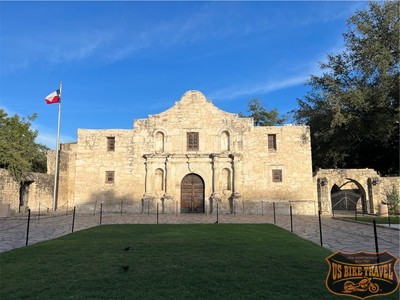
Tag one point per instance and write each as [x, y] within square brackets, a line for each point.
[110, 176]
[271, 141]
[110, 143]
[277, 175]
[192, 141]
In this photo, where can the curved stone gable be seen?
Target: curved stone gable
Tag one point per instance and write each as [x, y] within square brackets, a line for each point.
[195, 110]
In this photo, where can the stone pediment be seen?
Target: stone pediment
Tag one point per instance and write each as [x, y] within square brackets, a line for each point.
[193, 110]
[193, 100]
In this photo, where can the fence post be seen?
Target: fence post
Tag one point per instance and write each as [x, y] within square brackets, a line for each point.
[39, 212]
[95, 206]
[389, 218]
[73, 220]
[291, 219]
[27, 227]
[148, 207]
[376, 241]
[262, 208]
[273, 206]
[157, 213]
[122, 203]
[101, 212]
[320, 227]
[176, 209]
[355, 213]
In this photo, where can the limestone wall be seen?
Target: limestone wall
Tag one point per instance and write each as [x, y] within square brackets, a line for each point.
[92, 160]
[371, 186]
[38, 192]
[228, 147]
[148, 163]
[9, 190]
[292, 156]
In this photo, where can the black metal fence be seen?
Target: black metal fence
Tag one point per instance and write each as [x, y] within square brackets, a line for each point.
[287, 215]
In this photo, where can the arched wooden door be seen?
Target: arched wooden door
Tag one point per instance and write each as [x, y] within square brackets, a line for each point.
[192, 194]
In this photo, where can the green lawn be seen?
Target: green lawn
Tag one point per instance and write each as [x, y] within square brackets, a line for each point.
[378, 220]
[224, 261]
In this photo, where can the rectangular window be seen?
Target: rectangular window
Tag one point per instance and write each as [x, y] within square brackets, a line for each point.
[110, 143]
[192, 141]
[271, 141]
[277, 175]
[110, 176]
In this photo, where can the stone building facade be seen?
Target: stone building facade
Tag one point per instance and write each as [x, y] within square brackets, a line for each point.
[191, 158]
[187, 159]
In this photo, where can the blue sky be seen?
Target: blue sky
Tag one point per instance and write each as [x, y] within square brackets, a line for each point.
[121, 61]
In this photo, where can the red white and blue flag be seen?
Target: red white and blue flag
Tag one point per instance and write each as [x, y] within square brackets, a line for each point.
[54, 97]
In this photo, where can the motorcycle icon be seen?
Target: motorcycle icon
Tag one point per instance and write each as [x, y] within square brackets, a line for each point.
[362, 286]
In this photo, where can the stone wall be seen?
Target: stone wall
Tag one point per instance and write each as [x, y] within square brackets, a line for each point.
[233, 160]
[371, 186]
[38, 192]
[9, 190]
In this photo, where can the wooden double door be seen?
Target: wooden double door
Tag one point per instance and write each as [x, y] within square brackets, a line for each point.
[192, 194]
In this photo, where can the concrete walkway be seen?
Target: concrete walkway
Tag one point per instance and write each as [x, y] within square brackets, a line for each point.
[336, 234]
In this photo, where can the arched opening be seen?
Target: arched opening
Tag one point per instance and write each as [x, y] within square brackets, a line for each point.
[225, 141]
[159, 144]
[159, 180]
[348, 197]
[192, 194]
[226, 180]
[24, 195]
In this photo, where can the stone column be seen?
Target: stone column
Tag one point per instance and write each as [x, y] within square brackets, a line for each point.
[147, 196]
[166, 195]
[215, 196]
[235, 195]
[324, 195]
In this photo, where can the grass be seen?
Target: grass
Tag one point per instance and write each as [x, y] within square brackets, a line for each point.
[224, 261]
[378, 220]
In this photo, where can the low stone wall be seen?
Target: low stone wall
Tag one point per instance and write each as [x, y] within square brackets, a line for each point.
[39, 192]
[9, 190]
[149, 206]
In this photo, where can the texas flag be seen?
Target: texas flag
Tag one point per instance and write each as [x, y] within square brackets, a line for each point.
[54, 97]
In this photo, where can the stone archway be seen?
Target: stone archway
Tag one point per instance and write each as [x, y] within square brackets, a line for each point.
[361, 186]
[349, 196]
[192, 194]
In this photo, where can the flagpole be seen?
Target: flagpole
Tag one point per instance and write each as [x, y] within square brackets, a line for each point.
[57, 152]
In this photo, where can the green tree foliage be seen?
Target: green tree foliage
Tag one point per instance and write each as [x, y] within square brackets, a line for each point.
[261, 116]
[393, 200]
[353, 107]
[18, 151]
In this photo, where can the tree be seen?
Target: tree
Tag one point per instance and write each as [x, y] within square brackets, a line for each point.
[261, 116]
[393, 200]
[353, 107]
[19, 153]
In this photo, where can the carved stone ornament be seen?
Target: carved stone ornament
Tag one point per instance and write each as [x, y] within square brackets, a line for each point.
[236, 195]
[216, 196]
[168, 196]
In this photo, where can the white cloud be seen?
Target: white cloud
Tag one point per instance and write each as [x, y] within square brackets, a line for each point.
[122, 38]
[261, 88]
